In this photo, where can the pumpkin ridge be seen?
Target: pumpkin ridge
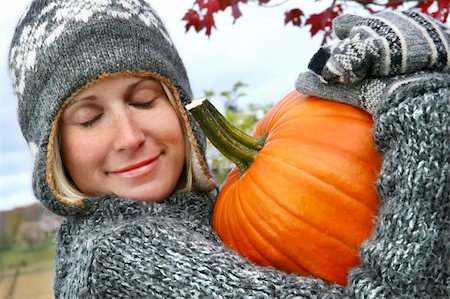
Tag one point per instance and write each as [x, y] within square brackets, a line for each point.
[320, 116]
[372, 205]
[226, 228]
[322, 144]
[253, 227]
[347, 195]
[294, 104]
[225, 209]
[312, 225]
[282, 107]
[282, 125]
[239, 206]
[238, 226]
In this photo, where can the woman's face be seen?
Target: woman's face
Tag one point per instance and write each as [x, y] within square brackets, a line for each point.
[122, 135]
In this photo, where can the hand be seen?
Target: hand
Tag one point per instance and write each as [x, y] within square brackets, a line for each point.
[385, 44]
[365, 94]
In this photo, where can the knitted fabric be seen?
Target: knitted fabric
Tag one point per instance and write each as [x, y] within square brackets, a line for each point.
[114, 248]
[385, 44]
[365, 94]
[59, 46]
[377, 48]
[122, 249]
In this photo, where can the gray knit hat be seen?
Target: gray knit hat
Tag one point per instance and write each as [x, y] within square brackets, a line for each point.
[59, 46]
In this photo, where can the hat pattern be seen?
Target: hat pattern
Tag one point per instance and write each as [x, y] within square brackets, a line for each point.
[59, 46]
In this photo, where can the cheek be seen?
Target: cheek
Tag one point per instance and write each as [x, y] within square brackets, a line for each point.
[174, 133]
[170, 133]
[180, 148]
[163, 124]
[81, 154]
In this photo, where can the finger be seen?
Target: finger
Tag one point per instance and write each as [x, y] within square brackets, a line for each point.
[352, 60]
[344, 23]
[319, 60]
[312, 84]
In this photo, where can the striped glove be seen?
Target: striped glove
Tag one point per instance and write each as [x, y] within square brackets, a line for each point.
[385, 44]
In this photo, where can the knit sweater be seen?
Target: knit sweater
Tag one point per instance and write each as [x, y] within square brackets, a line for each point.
[129, 249]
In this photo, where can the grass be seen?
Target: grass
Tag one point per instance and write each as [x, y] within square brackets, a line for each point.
[20, 255]
[36, 271]
[31, 285]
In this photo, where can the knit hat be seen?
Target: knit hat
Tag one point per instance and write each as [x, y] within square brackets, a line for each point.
[59, 46]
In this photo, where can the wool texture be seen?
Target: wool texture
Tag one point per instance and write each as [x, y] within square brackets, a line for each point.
[385, 44]
[123, 249]
[117, 248]
[60, 46]
[365, 94]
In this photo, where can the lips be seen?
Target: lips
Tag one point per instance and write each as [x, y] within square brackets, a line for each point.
[138, 169]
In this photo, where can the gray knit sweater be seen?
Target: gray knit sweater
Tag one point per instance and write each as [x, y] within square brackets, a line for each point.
[127, 249]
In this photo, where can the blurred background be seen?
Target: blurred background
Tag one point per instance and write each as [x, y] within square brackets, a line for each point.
[244, 67]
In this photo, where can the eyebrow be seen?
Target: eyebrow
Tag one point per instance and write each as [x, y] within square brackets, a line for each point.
[135, 85]
[74, 101]
[92, 97]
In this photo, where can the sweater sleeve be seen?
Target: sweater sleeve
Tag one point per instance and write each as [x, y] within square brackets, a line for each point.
[170, 259]
[406, 256]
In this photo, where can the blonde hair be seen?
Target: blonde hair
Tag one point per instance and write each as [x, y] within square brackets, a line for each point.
[64, 186]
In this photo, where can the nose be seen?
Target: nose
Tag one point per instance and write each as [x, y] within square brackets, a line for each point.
[128, 134]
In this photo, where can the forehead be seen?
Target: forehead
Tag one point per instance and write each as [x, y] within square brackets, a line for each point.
[117, 83]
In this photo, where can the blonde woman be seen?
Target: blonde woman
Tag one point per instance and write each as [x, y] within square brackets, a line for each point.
[101, 93]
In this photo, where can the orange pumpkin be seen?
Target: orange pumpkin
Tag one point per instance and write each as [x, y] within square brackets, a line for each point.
[308, 200]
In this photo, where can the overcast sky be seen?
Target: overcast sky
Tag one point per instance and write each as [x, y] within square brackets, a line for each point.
[258, 50]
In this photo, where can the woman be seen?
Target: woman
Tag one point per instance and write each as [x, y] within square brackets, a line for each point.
[101, 93]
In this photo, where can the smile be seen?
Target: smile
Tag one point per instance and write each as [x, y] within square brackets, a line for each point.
[137, 170]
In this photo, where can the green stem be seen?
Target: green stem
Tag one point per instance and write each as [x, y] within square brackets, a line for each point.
[234, 144]
[236, 134]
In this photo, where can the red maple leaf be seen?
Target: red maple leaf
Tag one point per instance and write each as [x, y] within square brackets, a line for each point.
[235, 11]
[203, 18]
[234, 4]
[394, 3]
[443, 10]
[200, 3]
[364, 2]
[323, 20]
[212, 6]
[192, 19]
[326, 35]
[424, 6]
[293, 16]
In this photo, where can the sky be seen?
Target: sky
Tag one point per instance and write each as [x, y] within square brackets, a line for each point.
[258, 50]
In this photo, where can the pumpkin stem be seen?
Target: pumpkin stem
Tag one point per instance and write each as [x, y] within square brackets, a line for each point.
[234, 144]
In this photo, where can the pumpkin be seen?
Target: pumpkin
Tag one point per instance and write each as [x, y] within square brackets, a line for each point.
[302, 198]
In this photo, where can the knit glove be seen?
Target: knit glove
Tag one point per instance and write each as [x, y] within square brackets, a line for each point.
[385, 44]
[365, 94]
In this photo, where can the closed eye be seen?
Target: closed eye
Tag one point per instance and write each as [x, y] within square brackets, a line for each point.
[91, 122]
[144, 105]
